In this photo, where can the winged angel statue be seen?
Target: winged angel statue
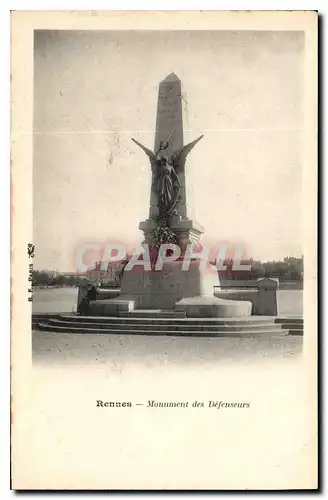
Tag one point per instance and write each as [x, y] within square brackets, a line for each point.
[166, 182]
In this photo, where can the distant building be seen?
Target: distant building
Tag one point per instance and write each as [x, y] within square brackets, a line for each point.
[108, 273]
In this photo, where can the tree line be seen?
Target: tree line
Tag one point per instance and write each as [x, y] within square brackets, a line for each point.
[290, 269]
[49, 278]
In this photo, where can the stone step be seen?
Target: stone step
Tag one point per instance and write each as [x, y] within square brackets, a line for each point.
[291, 326]
[153, 313]
[256, 320]
[158, 325]
[199, 333]
[36, 316]
[289, 319]
[173, 326]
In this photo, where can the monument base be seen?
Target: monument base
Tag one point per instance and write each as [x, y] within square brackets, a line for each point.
[163, 288]
[186, 230]
[172, 288]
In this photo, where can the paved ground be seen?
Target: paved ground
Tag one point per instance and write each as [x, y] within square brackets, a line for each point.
[53, 348]
[50, 348]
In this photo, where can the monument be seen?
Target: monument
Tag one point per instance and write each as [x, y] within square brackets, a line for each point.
[172, 287]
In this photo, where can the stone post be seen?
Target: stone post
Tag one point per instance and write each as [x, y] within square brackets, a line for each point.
[267, 302]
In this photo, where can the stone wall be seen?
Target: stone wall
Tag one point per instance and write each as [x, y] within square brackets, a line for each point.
[264, 298]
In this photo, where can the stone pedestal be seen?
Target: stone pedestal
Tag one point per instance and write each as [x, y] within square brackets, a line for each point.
[162, 289]
[172, 288]
[186, 230]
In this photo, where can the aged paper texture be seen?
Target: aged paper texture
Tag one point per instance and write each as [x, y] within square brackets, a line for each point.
[157, 409]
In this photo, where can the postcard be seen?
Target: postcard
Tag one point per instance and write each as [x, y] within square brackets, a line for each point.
[164, 255]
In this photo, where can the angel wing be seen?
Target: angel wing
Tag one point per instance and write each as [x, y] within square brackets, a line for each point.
[150, 154]
[178, 158]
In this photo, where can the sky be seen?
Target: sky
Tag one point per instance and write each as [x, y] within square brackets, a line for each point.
[94, 90]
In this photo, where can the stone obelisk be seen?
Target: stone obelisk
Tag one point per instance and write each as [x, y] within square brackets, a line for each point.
[171, 108]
